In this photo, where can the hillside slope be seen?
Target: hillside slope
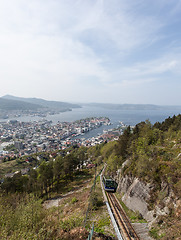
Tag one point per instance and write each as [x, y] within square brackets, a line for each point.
[133, 106]
[7, 104]
[44, 103]
[149, 162]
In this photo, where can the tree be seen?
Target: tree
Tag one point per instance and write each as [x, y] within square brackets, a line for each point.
[32, 184]
[70, 163]
[123, 143]
[113, 163]
[45, 174]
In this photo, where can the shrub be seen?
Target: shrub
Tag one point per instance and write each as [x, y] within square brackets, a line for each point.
[100, 224]
[95, 201]
[70, 223]
[74, 200]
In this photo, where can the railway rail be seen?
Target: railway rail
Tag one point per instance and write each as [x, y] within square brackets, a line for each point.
[124, 225]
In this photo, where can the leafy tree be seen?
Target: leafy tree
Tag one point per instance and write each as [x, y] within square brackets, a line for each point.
[33, 182]
[123, 143]
[45, 174]
[113, 162]
[70, 163]
[17, 183]
[8, 185]
[107, 149]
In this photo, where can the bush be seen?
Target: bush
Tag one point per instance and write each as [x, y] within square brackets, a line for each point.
[95, 201]
[20, 216]
[154, 233]
[100, 224]
[70, 223]
[74, 200]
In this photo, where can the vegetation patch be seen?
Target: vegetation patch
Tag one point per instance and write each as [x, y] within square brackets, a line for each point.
[101, 224]
[72, 222]
[74, 200]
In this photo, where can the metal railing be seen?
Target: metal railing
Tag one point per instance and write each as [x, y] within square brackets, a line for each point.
[119, 236]
[91, 233]
[88, 208]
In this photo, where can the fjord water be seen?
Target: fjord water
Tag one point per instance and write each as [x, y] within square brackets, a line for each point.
[129, 117]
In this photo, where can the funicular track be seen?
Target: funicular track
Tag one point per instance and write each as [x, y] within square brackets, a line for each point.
[125, 227]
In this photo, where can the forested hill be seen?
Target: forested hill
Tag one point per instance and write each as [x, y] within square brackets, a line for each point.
[133, 106]
[62, 106]
[8, 105]
[153, 151]
[151, 156]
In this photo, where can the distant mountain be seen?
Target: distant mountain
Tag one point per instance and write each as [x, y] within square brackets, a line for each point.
[131, 106]
[9, 102]
[53, 105]
[9, 105]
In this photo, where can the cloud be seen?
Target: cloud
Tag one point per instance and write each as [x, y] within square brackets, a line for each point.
[140, 74]
[116, 25]
[53, 46]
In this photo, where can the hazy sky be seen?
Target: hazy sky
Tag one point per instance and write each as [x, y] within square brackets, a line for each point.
[117, 51]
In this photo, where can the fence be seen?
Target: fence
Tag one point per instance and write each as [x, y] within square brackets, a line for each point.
[88, 208]
[91, 233]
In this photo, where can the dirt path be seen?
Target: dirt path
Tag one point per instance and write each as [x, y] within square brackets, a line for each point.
[54, 202]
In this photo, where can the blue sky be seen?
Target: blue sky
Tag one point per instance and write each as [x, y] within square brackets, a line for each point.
[118, 51]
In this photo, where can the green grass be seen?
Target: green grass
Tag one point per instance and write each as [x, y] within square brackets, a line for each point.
[72, 222]
[74, 200]
[101, 224]
[10, 166]
[154, 232]
[99, 215]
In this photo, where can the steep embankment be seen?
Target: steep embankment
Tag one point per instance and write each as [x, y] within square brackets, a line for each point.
[149, 159]
[164, 217]
[138, 194]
